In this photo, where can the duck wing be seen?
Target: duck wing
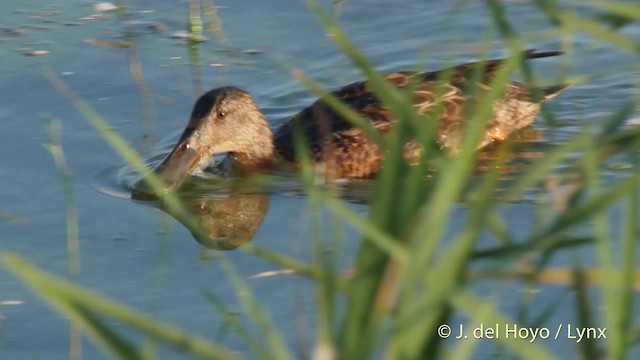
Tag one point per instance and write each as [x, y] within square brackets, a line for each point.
[460, 74]
[320, 124]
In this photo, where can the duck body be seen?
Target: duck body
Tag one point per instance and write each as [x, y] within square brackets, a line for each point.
[227, 120]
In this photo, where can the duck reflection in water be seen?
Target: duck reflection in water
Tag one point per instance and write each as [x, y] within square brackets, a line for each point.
[222, 221]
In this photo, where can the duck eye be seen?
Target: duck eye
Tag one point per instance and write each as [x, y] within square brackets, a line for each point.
[221, 114]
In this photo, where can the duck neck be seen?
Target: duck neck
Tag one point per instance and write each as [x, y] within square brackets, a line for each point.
[259, 156]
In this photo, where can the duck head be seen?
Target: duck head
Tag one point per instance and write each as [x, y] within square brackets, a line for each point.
[223, 120]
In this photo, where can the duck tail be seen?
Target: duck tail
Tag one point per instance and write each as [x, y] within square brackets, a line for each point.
[532, 54]
[551, 91]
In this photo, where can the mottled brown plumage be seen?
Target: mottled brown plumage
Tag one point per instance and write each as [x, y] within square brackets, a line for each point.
[226, 120]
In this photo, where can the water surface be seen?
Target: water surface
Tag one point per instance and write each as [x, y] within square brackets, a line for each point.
[137, 254]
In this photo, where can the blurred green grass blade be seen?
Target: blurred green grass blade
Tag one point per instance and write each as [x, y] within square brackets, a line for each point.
[231, 320]
[531, 282]
[619, 294]
[347, 113]
[403, 256]
[214, 23]
[547, 313]
[501, 22]
[625, 9]
[630, 236]
[474, 307]
[117, 143]
[326, 287]
[105, 336]
[573, 23]
[442, 279]
[361, 326]
[619, 117]
[553, 276]
[516, 45]
[540, 245]
[464, 349]
[454, 176]
[607, 144]
[169, 200]
[618, 142]
[542, 167]
[326, 281]
[54, 146]
[516, 250]
[195, 25]
[73, 234]
[397, 102]
[413, 185]
[498, 228]
[591, 208]
[369, 230]
[68, 298]
[604, 251]
[588, 346]
[255, 311]
[614, 21]
[390, 96]
[375, 238]
[614, 13]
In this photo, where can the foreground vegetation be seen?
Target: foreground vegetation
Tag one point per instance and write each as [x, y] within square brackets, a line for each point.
[408, 278]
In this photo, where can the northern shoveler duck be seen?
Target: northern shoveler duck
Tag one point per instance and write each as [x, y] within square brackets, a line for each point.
[227, 120]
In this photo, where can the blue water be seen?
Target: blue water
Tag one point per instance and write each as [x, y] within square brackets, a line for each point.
[134, 253]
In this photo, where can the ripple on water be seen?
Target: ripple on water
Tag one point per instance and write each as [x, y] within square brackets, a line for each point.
[116, 181]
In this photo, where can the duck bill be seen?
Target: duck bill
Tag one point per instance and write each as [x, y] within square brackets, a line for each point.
[178, 164]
